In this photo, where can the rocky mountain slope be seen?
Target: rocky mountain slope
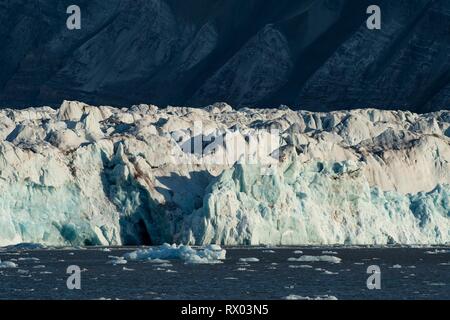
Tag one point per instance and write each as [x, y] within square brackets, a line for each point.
[310, 54]
[85, 175]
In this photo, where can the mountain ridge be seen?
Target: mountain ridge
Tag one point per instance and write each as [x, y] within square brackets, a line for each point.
[313, 55]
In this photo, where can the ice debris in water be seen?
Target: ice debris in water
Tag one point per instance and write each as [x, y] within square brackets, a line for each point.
[208, 254]
[28, 259]
[249, 260]
[296, 297]
[436, 251]
[117, 260]
[7, 264]
[325, 258]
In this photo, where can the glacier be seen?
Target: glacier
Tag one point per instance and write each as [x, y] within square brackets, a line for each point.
[100, 175]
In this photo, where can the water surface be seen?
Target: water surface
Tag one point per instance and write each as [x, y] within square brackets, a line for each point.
[406, 273]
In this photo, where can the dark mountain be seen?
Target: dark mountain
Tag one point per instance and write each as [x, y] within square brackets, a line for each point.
[309, 54]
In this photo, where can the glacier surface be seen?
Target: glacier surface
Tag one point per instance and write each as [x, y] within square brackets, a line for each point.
[86, 175]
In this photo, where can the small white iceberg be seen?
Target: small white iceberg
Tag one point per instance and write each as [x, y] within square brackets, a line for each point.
[206, 255]
[249, 259]
[7, 264]
[325, 258]
[117, 260]
[330, 272]
[127, 269]
[329, 252]
[296, 297]
[28, 259]
[436, 251]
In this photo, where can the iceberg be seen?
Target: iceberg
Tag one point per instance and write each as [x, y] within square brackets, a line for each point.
[251, 259]
[207, 255]
[84, 175]
[7, 264]
[314, 204]
[297, 297]
[324, 258]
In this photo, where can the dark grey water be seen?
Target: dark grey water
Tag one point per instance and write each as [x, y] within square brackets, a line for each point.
[406, 273]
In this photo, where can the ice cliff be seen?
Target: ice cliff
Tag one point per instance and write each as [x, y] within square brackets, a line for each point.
[87, 175]
[314, 54]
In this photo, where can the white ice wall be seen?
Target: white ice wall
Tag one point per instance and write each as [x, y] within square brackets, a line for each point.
[101, 175]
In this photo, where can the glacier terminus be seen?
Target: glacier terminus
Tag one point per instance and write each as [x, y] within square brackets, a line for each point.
[88, 175]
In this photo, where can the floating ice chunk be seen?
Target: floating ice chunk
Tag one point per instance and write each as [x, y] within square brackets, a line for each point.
[329, 252]
[298, 252]
[319, 269]
[396, 266]
[208, 254]
[165, 265]
[296, 297]
[118, 260]
[127, 269]
[330, 272]
[28, 259]
[325, 258]
[437, 284]
[268, 251]
[289, 287]
[436, 251]
[249, 259]
[7, 264]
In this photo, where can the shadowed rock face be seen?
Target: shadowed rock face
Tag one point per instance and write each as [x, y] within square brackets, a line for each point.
[309, 54]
